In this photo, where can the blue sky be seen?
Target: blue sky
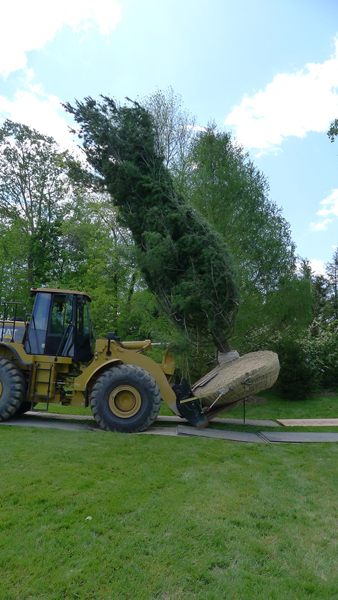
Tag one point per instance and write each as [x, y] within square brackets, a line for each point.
[265, 70]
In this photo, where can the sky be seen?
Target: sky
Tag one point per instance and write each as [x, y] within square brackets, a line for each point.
[267, 71]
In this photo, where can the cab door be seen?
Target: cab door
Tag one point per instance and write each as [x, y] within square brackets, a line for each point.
[60, 332]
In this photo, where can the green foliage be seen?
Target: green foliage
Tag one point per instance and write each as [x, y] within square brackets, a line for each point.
[325, 293]
[174, 128]
[33, 184]
[261, 316]
[332, 276]
[321, 288]
[183, 261]
[226, 187]
[98, 259]
[333, 130]
[13, 262]
[232, 194]
[297, 377]
[309, 359]
[46, 250]
[320, 343]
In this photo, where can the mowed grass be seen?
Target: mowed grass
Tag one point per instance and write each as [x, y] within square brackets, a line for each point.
[172, 518]
[318, 406]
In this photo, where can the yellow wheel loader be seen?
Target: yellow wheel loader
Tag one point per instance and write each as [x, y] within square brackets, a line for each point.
[52, 358]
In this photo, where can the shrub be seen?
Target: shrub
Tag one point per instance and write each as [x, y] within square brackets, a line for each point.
[297, 378]
[321, 346]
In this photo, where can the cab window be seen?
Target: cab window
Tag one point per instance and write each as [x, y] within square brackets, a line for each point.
[61, 314]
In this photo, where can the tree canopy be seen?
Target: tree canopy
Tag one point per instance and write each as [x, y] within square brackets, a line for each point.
[233, 195]
[34, 185]
[174, 128]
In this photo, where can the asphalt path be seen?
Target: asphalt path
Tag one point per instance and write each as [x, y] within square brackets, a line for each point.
[88, 423]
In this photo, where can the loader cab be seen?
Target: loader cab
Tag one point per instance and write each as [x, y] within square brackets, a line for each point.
[60, 325]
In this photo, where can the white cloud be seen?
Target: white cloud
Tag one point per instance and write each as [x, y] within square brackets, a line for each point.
[321, 225]
[317, 266]
[43, 112]
[293, 104]
[330, 205]
[195, 128]
[328, 213]
[28, 25]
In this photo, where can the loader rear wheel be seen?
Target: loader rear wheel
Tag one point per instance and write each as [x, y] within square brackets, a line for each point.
[12, 389]
[125, 398]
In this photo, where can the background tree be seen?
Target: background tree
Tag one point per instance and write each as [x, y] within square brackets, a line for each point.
[99, 258]
[13, 263]
[233, 194]
[321, 295]
[332, 276]
[174, 128]
[33, 185]
[227, 189]
[333, 130]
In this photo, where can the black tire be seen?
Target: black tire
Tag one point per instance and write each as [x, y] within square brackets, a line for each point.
[125, 398]
[12, 389]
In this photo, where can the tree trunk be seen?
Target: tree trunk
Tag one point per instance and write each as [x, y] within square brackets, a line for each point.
[222, 345]
[30, 266]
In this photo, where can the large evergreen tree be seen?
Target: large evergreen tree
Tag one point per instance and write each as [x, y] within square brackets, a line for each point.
[183, 260]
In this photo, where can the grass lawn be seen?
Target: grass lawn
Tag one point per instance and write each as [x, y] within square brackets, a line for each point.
[172, 518]
[323, 406]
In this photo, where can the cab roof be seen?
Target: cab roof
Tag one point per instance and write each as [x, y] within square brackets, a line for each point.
[34, 291]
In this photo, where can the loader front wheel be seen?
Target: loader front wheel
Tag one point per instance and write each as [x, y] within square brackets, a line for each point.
[125, 398]
[12, 389]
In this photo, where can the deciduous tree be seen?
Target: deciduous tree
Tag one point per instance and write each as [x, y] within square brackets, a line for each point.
[226, 188]
[332, 275]
[33, 186]
[174, 128]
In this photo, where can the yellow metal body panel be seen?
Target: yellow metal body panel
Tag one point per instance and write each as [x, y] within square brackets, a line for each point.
[46, 375]
[41, 371]
[120, 354]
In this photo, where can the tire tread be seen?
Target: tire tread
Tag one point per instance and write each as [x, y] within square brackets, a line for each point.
[17, 393]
